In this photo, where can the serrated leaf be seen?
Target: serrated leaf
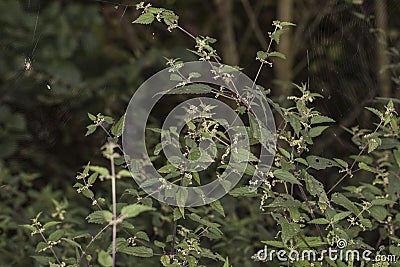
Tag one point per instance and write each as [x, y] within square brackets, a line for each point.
[342, 162]
[92, 117]
[317, 131]
[365, 167]
[134, 210]
[138, 251]
[286, 176]
[262, 55]
[142, 235]
[41, 246]
[243, 192]
[177, 214]
[190, 89]
[396, 154]
[92, 178]
[71, 242]
[167, 169]
[340, 216]
[118, 128]
[277, 54]
[165, 260]
[50, 224]
[87, 193]
[343, 201]
[124, 173]
[29, 227]
[276, 35]
[216, 205]
[90, 129]
[321, 119]
[101, 170]
[289, 230]
[145, 18]
[319, 221]
[104, 259]
[320, 163]
[55, 236]
[100, 217]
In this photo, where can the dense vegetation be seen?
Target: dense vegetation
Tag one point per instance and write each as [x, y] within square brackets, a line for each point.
[328, 69]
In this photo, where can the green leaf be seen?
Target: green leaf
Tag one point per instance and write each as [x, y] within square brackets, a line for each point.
[134, 210]
[284, 152]
[366, 223]
[41, 246]
[100, 216]
[165, 260]
[118, 128]
[178, 214]
[286, 176]
[29, 227]
[55, 236]
[382, 202]
[71, 242]
[365, 167]
[88, 193]
[104, 259]
[316, 131]
[145, 18]
[286, 23]
[50, 224]
[396, 154]
[190, 89]
[92, 117]
[101, 170]
[262, 55]
[319, 221]
[197, 218]
[92, 178]
[91, 129]
[342, 162]
[138, 251]
[379, 213]
[243, 192]
[320, 163]
[289, 230]
[216, 205]
[276, 35]
[181, 197]
[124, 173]
[142, 235]
[321, 119]
[277, 54]
[226, 264]
[167, 168]
[343, 201]
[340, 216]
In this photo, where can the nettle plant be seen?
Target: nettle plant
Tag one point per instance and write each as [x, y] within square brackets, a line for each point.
[309, 215]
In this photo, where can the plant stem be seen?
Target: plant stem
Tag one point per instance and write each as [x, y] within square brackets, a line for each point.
[114, 210]
[173, 238]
